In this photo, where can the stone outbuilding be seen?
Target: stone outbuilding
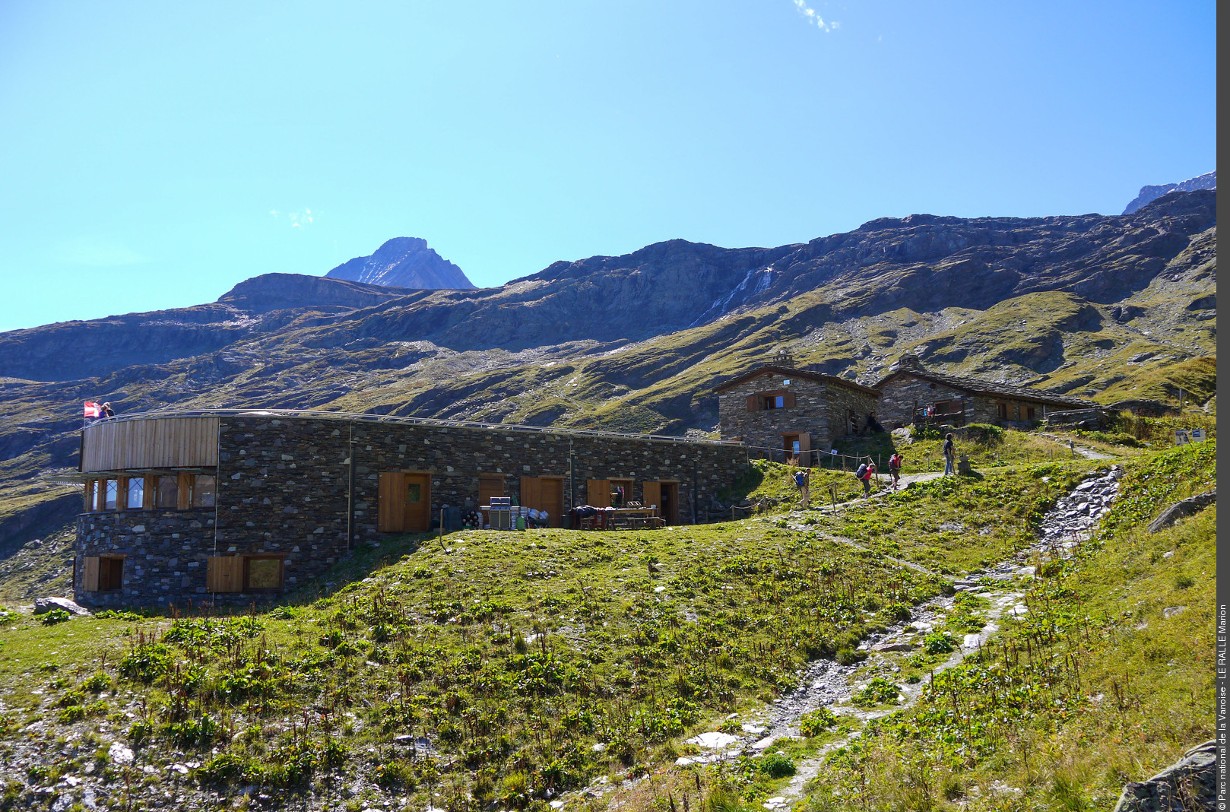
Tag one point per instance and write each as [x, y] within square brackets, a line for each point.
[784, 413]
[913, 394]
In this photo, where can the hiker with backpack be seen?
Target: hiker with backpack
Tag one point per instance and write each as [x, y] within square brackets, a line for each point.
[894, 469]
[949, 453]
[864, 473]
[802, 481]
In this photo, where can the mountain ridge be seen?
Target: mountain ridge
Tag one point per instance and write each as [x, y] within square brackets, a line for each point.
[1103, 307]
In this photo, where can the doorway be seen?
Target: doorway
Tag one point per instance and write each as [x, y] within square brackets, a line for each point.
[665, 495]
[545, 493]
[404, 502]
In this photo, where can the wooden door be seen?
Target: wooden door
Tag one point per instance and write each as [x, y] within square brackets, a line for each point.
[489, 485]
[652, 494]
[404, 502]
[545, 493]
[598, 492]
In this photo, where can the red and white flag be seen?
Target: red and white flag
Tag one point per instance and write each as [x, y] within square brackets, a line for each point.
[92, 410]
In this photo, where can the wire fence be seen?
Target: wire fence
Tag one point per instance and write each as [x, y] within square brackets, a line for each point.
[827, 460]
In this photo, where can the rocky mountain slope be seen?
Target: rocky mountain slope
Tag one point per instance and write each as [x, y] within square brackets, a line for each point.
[1150, 193]
[404, 262]
[1107, 307]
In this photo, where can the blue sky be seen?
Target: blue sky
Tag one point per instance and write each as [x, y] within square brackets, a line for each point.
[155, 154]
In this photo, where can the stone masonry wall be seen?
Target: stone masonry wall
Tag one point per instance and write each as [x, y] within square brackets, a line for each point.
[165, 553]
[900, 396]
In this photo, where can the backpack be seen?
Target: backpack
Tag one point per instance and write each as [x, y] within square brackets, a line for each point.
[861, 472]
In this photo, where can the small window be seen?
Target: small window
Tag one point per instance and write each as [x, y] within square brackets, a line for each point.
[102, 573]
[1003, 411]
[203, 491]
[774, 402]
[1029, 412]
[262, 573]
[414, 493]
[136, 493]
[168, 492]
[112, 494]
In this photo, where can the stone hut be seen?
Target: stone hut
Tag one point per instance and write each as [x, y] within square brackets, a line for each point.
[784, 413]
[236, 506]
[911, 393]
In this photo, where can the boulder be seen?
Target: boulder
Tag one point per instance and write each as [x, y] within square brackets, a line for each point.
[1189, 784]
[1181, 510]
[42, 605]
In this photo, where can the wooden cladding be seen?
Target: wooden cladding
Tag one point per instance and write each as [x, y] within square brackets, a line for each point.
[154, 442]
[224, 573]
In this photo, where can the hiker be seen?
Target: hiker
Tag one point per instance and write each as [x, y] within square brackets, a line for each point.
[106, 411]
[863, 474]
[949, 452]
[894, 469]
[802, 481]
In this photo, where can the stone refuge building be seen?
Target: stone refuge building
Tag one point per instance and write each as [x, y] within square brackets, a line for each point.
[234, 506]
[911, 392]
[784, 413]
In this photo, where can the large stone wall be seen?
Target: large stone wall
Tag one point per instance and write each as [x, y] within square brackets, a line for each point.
[165, 555]
[820, 410]
[286, 485]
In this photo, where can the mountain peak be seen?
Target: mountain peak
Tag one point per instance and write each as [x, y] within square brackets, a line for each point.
[404, 262]
[1150, 193]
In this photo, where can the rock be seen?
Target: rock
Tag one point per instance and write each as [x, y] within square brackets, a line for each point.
[713, 740]
[43, 605]
[1181, 510]
[119, 754]
[1189, 784]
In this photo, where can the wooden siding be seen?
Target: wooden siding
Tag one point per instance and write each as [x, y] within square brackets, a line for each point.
[154, 442]
[224, 573]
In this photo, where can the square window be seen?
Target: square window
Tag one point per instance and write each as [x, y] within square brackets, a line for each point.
[203, 491]
[262, 573]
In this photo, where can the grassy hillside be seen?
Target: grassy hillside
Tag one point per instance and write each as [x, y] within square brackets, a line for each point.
[491, 670]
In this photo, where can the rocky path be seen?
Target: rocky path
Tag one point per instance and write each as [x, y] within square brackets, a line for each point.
[826, 683]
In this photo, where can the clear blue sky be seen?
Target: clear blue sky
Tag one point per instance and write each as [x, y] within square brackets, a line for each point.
[155, 154]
